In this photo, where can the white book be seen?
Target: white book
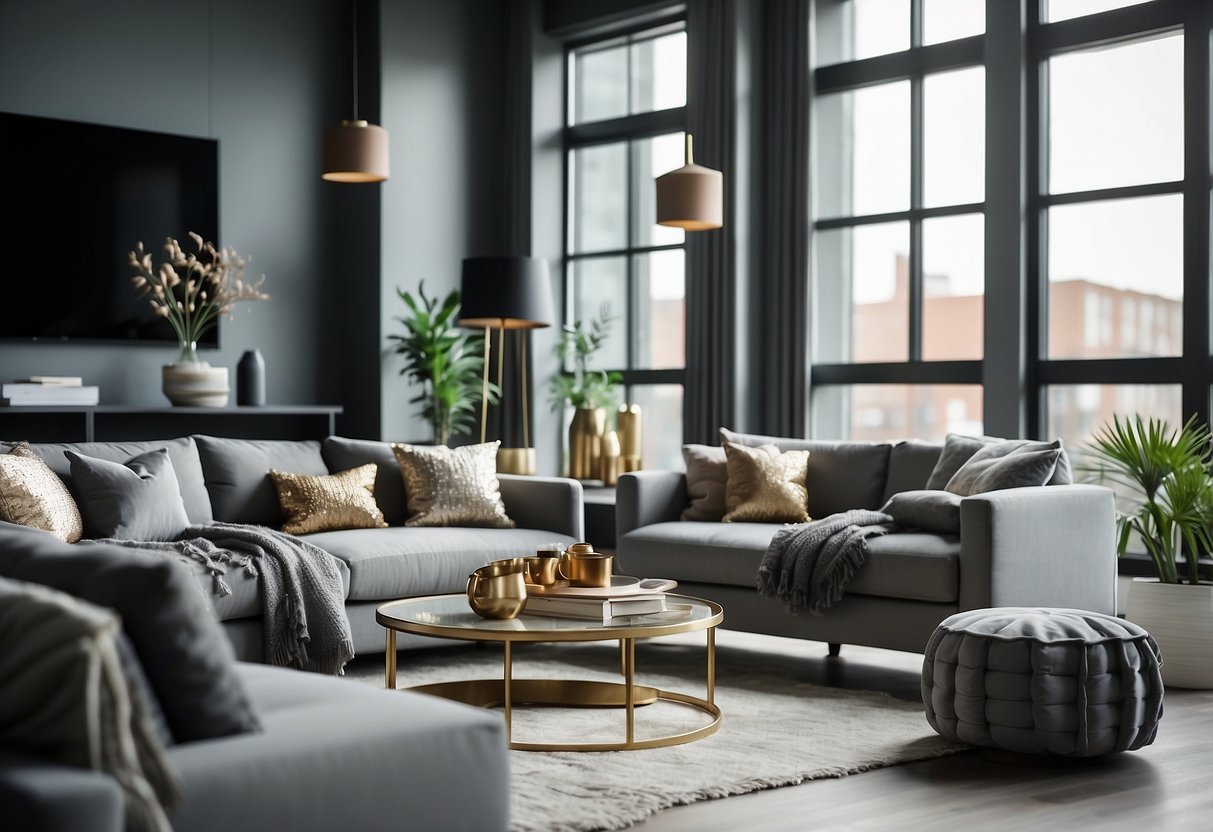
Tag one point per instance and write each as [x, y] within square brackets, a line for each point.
[594, 609]
[16, 396]
[57, 381]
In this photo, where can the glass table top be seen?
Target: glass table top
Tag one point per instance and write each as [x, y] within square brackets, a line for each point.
[450, 615]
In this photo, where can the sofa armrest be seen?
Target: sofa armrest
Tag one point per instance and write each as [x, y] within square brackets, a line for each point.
[1050, 546]
[646, 497]
[50, 797]
[552, 504]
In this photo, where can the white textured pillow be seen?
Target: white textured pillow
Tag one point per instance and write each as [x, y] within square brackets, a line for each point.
[452, 486]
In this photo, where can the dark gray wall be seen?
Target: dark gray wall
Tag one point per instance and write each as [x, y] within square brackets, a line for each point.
[256, 76]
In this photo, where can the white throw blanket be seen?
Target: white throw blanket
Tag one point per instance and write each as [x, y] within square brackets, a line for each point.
[302, 595]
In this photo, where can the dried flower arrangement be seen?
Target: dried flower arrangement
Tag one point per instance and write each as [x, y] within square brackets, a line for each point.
[191, 290]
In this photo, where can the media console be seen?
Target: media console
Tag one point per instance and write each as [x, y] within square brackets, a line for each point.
[110, 423]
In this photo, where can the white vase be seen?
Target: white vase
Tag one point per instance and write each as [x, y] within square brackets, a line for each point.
[1180, 617]
[188, 382]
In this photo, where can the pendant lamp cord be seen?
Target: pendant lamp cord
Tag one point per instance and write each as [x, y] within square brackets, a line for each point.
[354, 26]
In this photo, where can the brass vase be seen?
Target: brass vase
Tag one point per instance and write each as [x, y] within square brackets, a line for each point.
[608, 458]
[585, 432]
[628, 423]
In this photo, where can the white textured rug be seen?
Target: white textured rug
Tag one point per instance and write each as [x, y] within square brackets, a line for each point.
[777, 731]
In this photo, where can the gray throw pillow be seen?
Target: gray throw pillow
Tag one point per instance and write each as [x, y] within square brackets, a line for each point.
[238, 480]
[707, 481]
[140, 500]
[958, 449]
[995, 467]
[932, 511]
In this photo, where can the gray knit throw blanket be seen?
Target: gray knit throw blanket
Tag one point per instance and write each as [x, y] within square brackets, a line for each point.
[302, 595]
[807, 565]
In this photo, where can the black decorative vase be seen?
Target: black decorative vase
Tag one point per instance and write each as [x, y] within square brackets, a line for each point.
[250, 379]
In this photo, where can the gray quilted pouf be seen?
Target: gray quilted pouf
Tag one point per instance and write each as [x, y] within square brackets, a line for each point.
[1043, 681]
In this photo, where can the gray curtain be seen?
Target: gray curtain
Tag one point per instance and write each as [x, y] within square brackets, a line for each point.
[710, 394]
[782, 226]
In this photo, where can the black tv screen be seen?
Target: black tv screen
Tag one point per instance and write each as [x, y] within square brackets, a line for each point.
[77, 198]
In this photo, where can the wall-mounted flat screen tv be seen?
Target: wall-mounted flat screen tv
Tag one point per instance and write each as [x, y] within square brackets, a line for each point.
[77, 197]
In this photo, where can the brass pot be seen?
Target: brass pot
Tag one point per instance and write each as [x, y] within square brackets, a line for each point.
[498, 590]
[582, 566]
[585, 433]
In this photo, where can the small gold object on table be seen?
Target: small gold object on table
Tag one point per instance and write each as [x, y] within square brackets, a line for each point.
[628, 424]
[448, 616]
[498, 590]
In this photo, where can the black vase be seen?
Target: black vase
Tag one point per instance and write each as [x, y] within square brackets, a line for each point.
[250, 379]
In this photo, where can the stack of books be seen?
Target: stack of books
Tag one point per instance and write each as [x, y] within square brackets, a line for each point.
[52, 391]
[594, 603]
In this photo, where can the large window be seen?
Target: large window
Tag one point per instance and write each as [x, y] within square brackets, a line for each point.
[899, 271]
[625, 126]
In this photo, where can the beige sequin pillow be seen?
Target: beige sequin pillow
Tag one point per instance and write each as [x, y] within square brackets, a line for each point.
[31, 494]
[452, 486]
[329, 502]
[765, 487]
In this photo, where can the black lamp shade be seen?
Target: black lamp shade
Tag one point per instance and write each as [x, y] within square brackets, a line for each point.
[506, 293]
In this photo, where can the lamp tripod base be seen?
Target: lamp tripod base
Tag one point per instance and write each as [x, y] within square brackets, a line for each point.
[516, 461]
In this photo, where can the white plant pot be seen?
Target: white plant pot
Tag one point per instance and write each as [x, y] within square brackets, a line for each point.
[195, 384]
[1180, 617]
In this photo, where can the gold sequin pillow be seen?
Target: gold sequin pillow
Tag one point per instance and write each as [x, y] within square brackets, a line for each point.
[452, 486]
[31, 494]
[330, 502]
[765, 487]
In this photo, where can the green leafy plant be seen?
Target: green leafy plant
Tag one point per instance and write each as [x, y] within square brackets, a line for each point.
[445, 360]
[1164, 474]
[583, 387]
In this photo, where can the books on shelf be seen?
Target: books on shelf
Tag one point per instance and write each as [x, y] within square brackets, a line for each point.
[595, 609]
[64, 392]
[55, 381]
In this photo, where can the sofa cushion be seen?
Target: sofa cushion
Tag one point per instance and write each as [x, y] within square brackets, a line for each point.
[922, 567]
[328, 502]
[237, 475]
[396, 562]
[842, 475]
[452, 486]
[188, 660]
[1002, 465]
[138, 499]
[764, 487]
[31, 494]
[932, 511]
[958, 448]
[182, 451]
[341, 454]
[910, 466]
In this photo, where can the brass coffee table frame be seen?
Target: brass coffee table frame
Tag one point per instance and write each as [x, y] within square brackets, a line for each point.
[509, 692]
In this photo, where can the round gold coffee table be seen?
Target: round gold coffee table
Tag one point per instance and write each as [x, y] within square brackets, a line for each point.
[448, 616]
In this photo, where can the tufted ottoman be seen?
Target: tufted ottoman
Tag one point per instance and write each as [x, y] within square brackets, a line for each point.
[1043, 681]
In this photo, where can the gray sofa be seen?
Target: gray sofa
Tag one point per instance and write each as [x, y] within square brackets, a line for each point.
[1049, 546]
[225, 480]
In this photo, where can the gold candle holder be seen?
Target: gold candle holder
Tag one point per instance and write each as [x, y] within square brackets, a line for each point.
[608, 458]
[629, 425]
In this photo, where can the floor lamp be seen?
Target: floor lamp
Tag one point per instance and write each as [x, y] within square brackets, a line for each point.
[500, 293]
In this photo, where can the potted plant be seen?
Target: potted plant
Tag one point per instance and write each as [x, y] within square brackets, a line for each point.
[1162, 477]
[446, 361]
[588, 391]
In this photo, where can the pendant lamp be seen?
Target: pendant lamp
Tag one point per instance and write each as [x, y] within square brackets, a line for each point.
[691, 197]
[355, 150]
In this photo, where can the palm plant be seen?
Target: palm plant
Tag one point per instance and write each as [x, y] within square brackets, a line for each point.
[584, 387]
[1165, 475]
[445, 360]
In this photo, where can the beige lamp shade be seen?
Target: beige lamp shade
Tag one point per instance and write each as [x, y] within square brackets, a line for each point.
[356, 151]
[691, 197]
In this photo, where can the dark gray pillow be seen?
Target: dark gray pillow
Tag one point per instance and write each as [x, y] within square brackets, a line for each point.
[140, 500]
[932, 511]
[237, 475]
[341, 454]
[184, 653]
[958, 449]
[999, 466]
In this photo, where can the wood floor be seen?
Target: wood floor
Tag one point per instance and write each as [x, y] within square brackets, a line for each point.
[1166, 786]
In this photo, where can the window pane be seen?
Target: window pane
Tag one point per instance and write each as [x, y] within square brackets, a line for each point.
[1116, 116]
[600, 83]
[849, 30]
[661, 314]
[1065, 9]
[863, 141]
[650, 159]
[862, 293]
[880, 412]
[659, 73]
[952, 19]
[953, 265]
[1116, 278]
[660, 424]
[954, 136]
[1077, 411]
[601, 283]
[599, 184]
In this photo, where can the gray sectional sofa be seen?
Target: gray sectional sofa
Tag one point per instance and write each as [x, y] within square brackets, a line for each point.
[1046, 546]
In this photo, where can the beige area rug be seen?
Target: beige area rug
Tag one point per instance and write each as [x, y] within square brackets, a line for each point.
[777, 731]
